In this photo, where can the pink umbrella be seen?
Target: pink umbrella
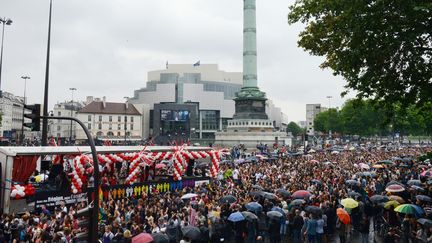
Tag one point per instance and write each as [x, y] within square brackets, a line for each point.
[301, 194]
[314, 161]
[395, 188]
[427, 173]
[142, 238]
[161, 166]
[364, 166]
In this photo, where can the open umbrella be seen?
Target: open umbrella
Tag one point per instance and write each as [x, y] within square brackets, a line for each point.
[254, 207]
[189, 196]
[354, 195]
[417, 188]
[258, 187]
[385, 162]
[424, 198]
[228, 199]
[409, 209]
[391, 204]
[236, 217]
[297, 202]
[316, 181]
[250, 216]
[278, 209]
[191, 232]
[427, 173]
[349, 203]
[160, 238]
[270, 196]
[142, 238]
[378, 166]
[364, 166]
[414, 183]
[335, 152]
[395, 183]
[257, 193]
[343, 216]
[301, 194]
[396, 198]
[313, 209]
[395, 188]
[378, 199]
[425, 222]
[274, 215]
[352, 182]
[283, 192]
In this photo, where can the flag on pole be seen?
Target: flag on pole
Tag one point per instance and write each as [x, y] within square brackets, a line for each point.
[166, 65]
[197, 64]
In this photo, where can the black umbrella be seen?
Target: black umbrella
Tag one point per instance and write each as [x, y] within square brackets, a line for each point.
[378, 199]
[256, 193]
[414, 183]
[425, 222]
[313, 209]
[395, 183]
[160, 238]
[228, 199]
[353, 194]
[270, 196]
[297, 202]
[352, 182]
[258, 187]
[274, 215]
[283, 192]
[250, 216]
[191, 232]
[424, 198]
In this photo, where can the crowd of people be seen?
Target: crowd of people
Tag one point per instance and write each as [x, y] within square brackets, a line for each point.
[288, 199]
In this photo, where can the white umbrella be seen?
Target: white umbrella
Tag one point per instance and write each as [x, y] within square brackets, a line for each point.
[335, 152]
[364, 166]
[189, 196]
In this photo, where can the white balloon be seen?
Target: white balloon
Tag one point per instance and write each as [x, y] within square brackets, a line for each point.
[13, 193]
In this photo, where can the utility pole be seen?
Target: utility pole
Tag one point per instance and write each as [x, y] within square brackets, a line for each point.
[71, 114]
[24, 103]
[45, 104]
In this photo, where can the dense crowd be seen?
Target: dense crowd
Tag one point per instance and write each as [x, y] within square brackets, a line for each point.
[286, 199]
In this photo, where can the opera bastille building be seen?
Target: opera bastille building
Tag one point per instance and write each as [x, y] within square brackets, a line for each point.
[186, 101]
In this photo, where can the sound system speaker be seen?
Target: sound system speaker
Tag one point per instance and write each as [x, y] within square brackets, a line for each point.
[45, 165]
[190, 166]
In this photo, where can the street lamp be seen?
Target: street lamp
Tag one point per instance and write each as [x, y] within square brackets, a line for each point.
[24, 102]
[329, 98]
[125, 118]
[71, 114]
[4, 21]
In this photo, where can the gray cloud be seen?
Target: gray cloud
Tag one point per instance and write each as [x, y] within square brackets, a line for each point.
[106, 48]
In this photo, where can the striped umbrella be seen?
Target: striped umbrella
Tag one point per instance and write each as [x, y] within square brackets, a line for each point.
[409, 209]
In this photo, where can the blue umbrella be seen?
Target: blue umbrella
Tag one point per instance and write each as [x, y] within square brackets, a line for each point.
[352, 182]
[424, 198]
[254, 207]
[236, 217]
[278, 209]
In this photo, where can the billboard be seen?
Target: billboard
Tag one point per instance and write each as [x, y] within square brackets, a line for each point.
[174, 115]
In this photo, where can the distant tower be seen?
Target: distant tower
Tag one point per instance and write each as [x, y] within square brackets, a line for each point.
[250, 101]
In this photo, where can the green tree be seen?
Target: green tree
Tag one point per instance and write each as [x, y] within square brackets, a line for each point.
[360, 117]
[382, 48]
[294, 129]
[328, 120]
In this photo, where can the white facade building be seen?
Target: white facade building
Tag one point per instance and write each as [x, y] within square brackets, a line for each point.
[64, 129]
[312, 110]
[11, 109]
[205, 91]
[109, 120]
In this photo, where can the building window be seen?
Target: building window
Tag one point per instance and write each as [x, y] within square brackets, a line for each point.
[89, 118]
[210, 120]
[119, 127]
[131, 126]
[132, 119]
[118, 134]
[100, 126]
[110, 118]
[58, 128]
[110, 126]
[88, 125]
[119, 119]
[59, 113]
[100, 118]
[125, 118]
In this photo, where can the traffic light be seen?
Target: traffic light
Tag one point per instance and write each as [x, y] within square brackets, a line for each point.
[34, 116]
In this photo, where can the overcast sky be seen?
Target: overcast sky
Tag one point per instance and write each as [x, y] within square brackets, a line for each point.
[106, 48]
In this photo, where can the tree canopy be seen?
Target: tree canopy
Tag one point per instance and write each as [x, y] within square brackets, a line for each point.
[294, 129]
[382, 48]
[366, 118]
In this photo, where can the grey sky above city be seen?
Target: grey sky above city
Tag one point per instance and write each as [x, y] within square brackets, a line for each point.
[106, 48]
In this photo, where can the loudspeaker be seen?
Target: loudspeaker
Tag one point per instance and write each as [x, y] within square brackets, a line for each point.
[190, 166]
[45, 165]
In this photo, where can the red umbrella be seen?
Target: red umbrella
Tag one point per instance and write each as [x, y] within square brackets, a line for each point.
[343, 216]
[395, 188]
[142, 238]
[301, 194]
[161, 166]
